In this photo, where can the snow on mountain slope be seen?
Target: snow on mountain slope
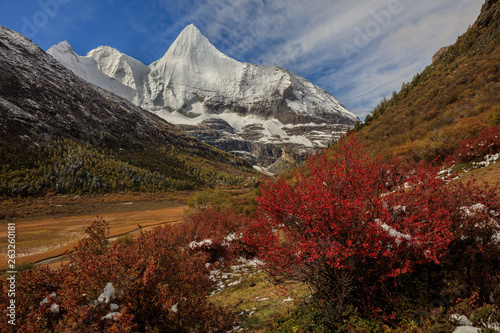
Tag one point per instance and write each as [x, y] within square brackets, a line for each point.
[121, 67]
[193, 69]
[252, 111]
[87, 68]
[189, 64]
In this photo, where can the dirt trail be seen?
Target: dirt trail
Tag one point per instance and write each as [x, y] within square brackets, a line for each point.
[38, 239]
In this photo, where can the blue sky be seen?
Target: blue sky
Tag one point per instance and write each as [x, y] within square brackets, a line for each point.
[357, 50]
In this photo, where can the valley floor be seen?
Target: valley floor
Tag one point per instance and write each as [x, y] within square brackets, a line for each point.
[41, 238]
[49, 226]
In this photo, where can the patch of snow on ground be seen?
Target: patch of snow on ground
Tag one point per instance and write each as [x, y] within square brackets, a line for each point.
[231, 238]
[195, 245]
[112, 316]
[234, 275]
[470, 211]
[488, 159]
[54, 308]
[393, 232]
[46, 300]
[466, 326]
[460, 320]
[108, 294]
[445, 173]
[466, 329]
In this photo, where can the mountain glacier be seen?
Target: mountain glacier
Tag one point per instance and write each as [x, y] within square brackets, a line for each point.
[252, 111]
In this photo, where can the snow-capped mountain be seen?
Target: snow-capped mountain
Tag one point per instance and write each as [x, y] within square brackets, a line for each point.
[88, 69]
[44, 105]
[252, 111]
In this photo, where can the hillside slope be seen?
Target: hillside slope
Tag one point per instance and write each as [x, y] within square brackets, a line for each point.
[60, 133]
[453, 99]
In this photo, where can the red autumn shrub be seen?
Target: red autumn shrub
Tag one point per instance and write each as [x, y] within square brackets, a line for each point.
[217, 232]
[354, 227]
[488, 142]
[473, 257]
[152, 285]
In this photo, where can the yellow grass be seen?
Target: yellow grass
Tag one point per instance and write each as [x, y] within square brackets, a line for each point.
[489, 174]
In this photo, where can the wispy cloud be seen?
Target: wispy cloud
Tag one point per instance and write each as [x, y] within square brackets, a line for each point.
[400, 53]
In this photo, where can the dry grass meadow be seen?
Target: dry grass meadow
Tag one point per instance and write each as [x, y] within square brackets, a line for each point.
[51, 226]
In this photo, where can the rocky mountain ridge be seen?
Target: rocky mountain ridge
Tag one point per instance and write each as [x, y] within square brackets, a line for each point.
[252, 111]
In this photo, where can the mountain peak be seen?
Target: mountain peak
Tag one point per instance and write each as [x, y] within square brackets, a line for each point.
[191, 28]
[190, 40]
[62, 47]
[105, 50]
[109, 54]
[192, 61]
[120, 66]
[191, 33]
